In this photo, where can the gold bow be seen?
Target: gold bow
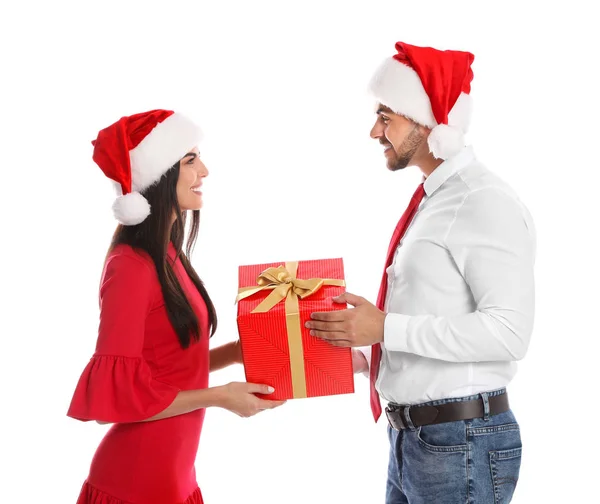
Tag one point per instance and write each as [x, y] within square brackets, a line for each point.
[284, 284]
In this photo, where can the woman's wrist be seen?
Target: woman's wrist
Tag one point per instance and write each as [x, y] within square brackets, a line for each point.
[211, 397]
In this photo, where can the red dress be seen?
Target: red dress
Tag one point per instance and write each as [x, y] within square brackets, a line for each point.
[136, 371]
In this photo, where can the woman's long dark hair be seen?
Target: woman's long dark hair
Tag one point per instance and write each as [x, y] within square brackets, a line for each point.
[153, 236]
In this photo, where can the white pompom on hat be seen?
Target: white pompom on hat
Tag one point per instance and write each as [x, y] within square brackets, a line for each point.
[136, 151]
[432, 88]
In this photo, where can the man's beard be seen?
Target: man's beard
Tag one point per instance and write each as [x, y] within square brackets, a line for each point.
[408, 148]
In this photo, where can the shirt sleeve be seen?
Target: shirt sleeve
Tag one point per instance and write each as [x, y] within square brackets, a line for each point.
[493, 246]
[117, 384]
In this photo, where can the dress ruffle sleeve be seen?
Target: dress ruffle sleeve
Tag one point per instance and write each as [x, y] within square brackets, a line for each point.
[117, 385]
[113, 388]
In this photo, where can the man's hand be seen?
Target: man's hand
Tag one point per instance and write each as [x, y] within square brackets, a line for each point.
[360, 326]
[359, 362]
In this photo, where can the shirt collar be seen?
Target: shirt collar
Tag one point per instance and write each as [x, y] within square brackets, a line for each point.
[448, 168]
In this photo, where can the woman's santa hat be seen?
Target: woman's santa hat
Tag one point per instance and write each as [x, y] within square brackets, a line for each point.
[432, 88]
[136, 151]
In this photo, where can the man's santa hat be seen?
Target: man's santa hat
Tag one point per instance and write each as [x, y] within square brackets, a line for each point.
[432, 88]
[136, 151]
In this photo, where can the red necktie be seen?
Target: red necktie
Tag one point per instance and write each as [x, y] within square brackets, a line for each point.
[401, 227]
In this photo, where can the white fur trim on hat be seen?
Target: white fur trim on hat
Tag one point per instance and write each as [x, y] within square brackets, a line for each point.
[399, 87]
[460, 115]
[131, 209]
[445, 141]
[167, 143]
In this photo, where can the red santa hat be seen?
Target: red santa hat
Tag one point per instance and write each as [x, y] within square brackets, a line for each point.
[432, 88]
[136, 151]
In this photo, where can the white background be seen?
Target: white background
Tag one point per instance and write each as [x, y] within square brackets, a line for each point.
[279, 89]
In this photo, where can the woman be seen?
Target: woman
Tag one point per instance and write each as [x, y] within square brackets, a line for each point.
[149, 373]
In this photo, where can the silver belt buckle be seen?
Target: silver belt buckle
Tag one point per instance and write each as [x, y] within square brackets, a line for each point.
[394, 416]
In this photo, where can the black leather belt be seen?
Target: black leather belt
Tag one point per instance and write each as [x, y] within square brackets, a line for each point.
[447, 412]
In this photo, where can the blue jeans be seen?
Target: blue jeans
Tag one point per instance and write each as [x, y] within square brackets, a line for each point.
[469, 461]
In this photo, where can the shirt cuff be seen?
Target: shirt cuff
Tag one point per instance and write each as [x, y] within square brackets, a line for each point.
[395, 332]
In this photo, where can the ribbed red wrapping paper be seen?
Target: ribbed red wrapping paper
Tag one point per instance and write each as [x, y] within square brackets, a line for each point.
[264, 338]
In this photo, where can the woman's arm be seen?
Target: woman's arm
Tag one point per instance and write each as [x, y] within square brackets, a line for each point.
[237, 397]
[225, 355]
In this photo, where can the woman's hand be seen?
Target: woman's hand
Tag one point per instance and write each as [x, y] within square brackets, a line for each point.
[239, 398]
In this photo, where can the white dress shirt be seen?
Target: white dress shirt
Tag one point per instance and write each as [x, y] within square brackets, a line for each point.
[460, 298]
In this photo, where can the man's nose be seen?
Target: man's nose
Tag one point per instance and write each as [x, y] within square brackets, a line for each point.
[376, 131]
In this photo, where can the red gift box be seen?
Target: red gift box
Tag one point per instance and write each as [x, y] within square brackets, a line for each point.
[275, 301]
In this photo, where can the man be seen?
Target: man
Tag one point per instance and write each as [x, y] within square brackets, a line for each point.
[455, 308]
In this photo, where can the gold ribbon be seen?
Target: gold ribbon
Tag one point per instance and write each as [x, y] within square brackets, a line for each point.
[284, 285]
